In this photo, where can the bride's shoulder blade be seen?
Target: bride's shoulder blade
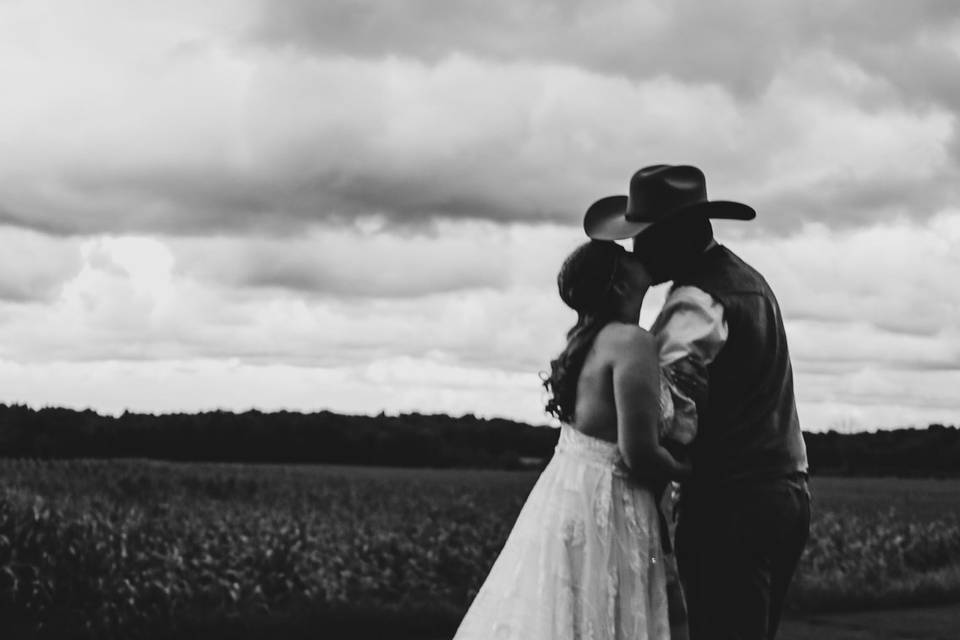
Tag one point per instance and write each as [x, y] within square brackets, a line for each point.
[625, 341]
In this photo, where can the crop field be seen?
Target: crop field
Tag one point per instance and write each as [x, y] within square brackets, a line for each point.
[143, 548]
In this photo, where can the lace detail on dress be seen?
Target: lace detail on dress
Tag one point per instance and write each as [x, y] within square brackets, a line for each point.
[579, 444]
[580, 563]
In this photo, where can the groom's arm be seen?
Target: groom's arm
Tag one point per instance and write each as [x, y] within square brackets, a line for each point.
[690, 331]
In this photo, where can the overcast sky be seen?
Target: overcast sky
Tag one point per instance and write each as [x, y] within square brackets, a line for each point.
[361, 205]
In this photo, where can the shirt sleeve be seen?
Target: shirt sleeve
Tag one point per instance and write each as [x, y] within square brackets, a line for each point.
[690, 332]
[691, 323]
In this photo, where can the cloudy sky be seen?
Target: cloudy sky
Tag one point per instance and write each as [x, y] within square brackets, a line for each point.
[360, 206]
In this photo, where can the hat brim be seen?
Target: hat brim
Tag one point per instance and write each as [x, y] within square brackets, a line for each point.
[606, 218]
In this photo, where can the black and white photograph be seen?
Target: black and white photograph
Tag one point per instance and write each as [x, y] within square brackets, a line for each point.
[480, 320]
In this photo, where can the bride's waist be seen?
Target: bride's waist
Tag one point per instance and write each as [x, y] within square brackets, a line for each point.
[589, 448]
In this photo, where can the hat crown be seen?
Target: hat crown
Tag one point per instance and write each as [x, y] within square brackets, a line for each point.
[658, 190]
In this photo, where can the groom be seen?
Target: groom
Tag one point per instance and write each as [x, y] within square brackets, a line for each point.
[745, 514]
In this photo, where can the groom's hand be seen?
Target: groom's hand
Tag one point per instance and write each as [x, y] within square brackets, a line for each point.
[691, 378]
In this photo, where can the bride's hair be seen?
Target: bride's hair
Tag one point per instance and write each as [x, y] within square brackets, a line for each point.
[588, 284]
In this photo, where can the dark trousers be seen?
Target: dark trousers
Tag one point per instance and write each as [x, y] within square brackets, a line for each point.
[737, 549]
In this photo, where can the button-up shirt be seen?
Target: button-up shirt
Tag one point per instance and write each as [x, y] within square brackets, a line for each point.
[690, 331]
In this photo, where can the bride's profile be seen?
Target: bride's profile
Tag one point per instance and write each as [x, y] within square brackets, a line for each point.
[584, 557]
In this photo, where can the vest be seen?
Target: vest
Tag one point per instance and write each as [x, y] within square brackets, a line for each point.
[748, 428]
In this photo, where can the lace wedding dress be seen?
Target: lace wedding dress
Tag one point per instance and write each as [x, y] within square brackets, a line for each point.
[583, 561]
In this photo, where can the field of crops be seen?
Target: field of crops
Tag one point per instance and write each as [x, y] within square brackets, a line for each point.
[123, 548]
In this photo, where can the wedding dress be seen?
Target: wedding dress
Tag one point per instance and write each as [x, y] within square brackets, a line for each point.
[584, 560]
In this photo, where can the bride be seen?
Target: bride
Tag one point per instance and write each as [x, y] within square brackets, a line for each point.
[583, 560]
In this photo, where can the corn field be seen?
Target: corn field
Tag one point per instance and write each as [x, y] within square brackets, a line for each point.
[120, 549]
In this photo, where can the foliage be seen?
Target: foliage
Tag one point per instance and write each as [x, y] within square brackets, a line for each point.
[856, 561]
[408, 440]
[120, 548]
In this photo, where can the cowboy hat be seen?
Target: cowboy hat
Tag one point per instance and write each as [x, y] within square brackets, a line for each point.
[658, 192]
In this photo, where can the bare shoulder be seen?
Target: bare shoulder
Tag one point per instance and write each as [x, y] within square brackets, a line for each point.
[625, 340]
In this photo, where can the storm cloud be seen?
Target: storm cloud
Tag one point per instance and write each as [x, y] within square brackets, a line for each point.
[365, 203]
[276, 117]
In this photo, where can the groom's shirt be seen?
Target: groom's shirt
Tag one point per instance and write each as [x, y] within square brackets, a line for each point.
[724, 354]
[690, 324]
[690, 331]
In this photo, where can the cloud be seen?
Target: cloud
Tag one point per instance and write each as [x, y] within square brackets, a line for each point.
[397, 385]
[870, 399]
[138, 298]
[34, 267]
[738, 44]
[896, 276]
[378, 263]
[373, 199]
[179, 128]
[867, 311]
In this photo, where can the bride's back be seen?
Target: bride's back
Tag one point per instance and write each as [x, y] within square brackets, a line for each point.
[596, 410]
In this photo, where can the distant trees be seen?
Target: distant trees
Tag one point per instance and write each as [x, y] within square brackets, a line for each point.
[407, 440]
[931, 451]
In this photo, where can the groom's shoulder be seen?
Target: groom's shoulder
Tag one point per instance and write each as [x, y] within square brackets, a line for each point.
[739, 264]
[725, 272]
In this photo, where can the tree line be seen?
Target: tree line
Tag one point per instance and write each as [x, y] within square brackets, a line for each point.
[407, 440]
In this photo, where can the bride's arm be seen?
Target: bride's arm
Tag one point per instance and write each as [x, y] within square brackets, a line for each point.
[636, 389]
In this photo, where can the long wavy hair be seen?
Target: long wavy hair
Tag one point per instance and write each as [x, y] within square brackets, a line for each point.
[588, 284]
